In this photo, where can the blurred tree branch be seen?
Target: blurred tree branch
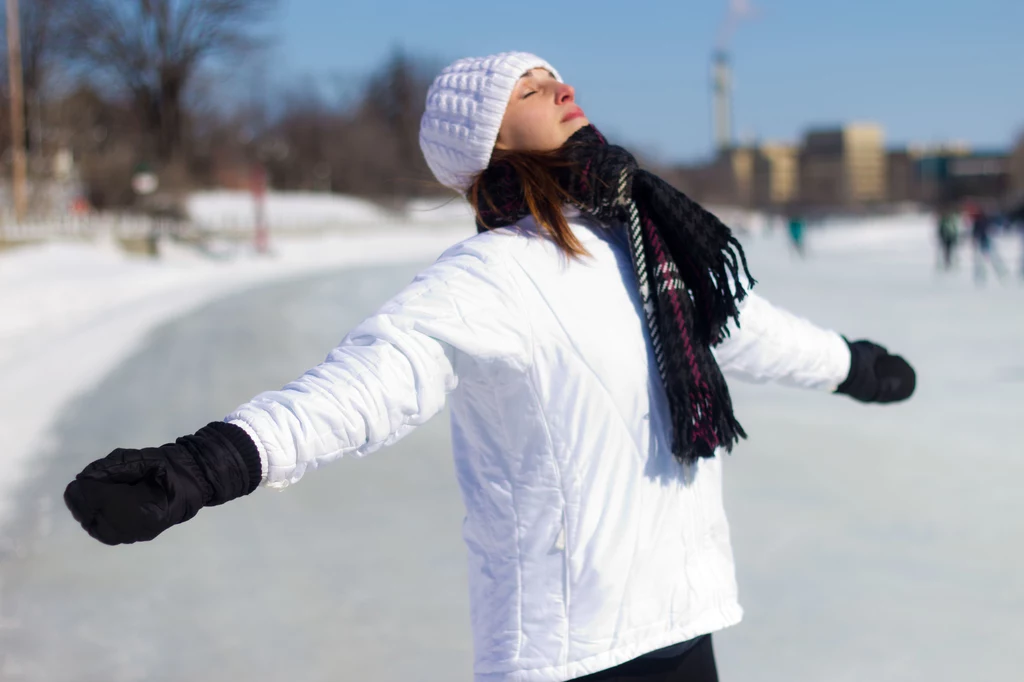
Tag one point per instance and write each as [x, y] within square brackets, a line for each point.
[187, 86]
[153, 49]
[367, 143]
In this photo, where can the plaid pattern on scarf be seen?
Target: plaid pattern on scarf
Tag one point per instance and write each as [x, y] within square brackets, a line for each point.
[687, 264]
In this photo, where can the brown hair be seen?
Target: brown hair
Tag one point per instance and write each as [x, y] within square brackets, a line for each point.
[544, 197]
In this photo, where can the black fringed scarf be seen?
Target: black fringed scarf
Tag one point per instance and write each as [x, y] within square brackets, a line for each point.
[687, 265]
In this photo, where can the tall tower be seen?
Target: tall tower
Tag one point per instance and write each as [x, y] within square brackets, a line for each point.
[721, 98]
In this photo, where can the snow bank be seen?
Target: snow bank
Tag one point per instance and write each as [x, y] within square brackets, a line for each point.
[219, 210]
[236, 209]
[438, 210]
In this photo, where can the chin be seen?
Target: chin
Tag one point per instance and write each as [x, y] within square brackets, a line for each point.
[577, 123]
[569, 128]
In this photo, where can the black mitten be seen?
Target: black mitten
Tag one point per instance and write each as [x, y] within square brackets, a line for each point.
[134, 495]
[876, 376]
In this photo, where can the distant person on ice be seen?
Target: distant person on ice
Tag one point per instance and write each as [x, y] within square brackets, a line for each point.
[581, 339]
[1016, 217]
[981, 235]
[796, 233]
[948, 234]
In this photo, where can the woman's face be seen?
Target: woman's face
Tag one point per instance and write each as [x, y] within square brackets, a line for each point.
[541, 114]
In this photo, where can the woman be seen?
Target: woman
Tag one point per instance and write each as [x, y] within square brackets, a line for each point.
[573, 337]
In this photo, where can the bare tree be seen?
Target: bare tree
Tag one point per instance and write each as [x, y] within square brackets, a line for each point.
[153, 49]
[365, 143]
[392, 105]
[104, 136]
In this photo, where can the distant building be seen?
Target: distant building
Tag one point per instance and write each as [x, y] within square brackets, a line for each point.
[983, 176]
[762, 176]
[848, 168]
[775, 175]
[1017, 170]
[721, 98]
[726, 180]
[843, 167]
[902, 176]
[736, 167]
[906, 175]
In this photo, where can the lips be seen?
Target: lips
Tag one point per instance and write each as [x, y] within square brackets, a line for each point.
[575, 112]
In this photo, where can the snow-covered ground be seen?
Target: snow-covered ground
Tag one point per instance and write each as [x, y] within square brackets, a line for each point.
[70, 311]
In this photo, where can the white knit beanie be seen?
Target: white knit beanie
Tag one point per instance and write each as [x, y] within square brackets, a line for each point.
[465, 106]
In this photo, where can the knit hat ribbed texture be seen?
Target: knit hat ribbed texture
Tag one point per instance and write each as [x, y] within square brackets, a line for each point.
[465, 106]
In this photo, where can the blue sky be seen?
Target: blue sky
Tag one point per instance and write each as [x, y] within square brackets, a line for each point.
[927, 70]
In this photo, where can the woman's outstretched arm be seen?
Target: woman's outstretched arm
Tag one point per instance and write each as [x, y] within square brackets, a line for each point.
[389, 375]
[772, 344]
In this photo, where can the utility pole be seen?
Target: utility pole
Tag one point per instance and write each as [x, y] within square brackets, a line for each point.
[17, 112]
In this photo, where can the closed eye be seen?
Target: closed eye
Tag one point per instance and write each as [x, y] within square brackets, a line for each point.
[531, 92]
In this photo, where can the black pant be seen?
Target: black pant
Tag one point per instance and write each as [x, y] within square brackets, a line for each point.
[947, 253]
[696, 665]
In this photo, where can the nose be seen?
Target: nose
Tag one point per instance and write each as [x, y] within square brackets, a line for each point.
[565, 94]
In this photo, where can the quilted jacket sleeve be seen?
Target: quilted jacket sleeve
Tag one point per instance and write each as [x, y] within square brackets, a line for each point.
[774, 345]
[394, 370]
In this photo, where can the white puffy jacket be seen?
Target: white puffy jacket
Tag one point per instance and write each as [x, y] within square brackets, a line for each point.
[588, 543]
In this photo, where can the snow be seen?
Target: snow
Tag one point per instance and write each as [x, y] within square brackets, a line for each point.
[438, 210]
[907, 233]
[225, 209]
[70, 311]
[217, 209]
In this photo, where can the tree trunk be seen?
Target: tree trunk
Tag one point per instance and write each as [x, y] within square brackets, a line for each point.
[161, 114]
[170, 133]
